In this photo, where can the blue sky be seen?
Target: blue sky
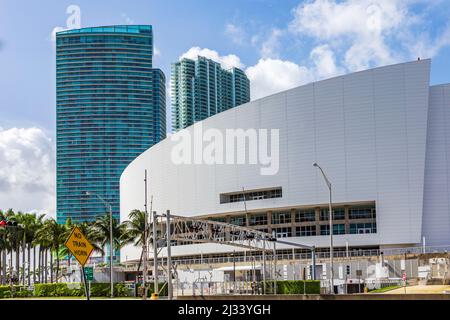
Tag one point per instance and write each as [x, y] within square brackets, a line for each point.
[279, 43]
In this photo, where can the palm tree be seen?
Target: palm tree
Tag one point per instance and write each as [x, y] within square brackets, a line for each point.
[14, 238]
[101, 232]
[32, 223]
[56, 233]
[135, 228]
[42, 242]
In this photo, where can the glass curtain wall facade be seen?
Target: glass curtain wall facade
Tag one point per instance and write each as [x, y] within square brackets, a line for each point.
[110, 107]
[202, 88]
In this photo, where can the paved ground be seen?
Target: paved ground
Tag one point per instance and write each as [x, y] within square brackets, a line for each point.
[420, 289]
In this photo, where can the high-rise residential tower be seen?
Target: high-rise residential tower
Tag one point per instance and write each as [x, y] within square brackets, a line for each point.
[202, 88]
[110, 107]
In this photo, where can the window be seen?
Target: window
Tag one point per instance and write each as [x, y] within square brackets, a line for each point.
[361, 228]
[251, 195]
[283, 232]
[238, 220]
[338, 214]
[362, 213]
[337, 229]
[236, 198]
[305, 216]
[305, 231]
[220, 219]
[281, 217]
[324, 230]
[258, 219]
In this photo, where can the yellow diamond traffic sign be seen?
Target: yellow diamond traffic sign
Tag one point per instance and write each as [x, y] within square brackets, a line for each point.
[79, 246]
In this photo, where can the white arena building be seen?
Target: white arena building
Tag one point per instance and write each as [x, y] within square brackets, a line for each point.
[382, 136]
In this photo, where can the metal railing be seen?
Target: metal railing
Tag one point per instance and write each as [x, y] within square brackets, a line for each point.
[306, 256]
[202, 288]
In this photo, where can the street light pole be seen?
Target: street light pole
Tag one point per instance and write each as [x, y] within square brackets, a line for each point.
[169, 259]
[111, 251]
[155, 253]
[144, 244]
[331, 226]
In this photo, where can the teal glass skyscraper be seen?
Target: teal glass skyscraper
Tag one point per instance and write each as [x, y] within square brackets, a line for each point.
[110, 107]
[202, 88]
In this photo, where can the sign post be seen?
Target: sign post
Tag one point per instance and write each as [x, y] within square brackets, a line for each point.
[89, 273]
[81, 249]
[404, 280]
[359, 274]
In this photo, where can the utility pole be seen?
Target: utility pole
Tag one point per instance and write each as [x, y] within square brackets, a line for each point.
[264, 266]
[274, 235]
[234, 271]
[144, 245]
[313, 253]
[169, 259]
[155, 254]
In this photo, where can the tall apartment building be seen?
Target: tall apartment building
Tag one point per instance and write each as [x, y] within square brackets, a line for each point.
[202, 88]
[110, 107]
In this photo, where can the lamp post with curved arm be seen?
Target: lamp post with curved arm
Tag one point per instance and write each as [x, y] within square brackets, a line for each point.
[331, 225]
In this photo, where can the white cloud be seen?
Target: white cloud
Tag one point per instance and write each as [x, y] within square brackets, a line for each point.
[227, 61]
[27, 170]
[324, 62]
[236, 33]
[127, 19]
[156, 52]
[336, 37]
[360, 28]
[369, 33]
[270, 47]
[327, 19]
[422, 45]
[273, 75]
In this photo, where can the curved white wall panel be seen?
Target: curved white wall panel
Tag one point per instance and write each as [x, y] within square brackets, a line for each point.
[368, 131]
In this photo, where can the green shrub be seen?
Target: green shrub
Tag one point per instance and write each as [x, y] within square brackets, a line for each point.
[120, 290]
[103, 289]
[294, 287]
[64, 290]
[17, 291]
[58, 290]
[5, 292]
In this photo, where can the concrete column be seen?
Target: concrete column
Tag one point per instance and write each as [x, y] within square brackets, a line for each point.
[317, 211]
[347, 219]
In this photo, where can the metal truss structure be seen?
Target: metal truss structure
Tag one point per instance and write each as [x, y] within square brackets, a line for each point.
[208, 231]
[193, 230]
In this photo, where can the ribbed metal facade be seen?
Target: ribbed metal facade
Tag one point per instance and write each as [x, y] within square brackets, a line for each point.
[202, 88]
[110, 108]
